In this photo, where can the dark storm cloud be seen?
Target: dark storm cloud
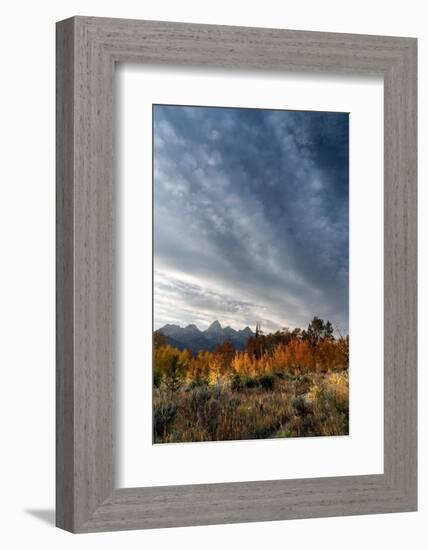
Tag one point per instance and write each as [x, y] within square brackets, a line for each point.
[251, 216]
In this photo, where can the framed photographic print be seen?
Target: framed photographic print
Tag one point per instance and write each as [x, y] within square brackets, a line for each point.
[236, 274]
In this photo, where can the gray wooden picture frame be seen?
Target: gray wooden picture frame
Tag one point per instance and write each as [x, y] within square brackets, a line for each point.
[87, 50]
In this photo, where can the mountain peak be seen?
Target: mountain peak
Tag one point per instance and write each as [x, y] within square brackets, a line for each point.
[214, 326]
[169, 327]
[192, 327]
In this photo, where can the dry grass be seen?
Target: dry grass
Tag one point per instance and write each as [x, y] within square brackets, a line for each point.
[253, 407]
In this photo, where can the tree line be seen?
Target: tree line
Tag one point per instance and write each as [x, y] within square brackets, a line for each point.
[266, 356]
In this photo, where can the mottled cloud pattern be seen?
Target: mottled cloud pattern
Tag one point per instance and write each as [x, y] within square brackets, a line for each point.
[250, 217]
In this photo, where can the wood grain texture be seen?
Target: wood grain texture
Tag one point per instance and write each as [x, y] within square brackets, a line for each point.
[87, 49]
[64, 276]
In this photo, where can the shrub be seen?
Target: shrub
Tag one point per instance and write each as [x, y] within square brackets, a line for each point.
[200, 396]
[301, 406]
[236, 384]
[250, 382]
[163, 415]
[157, 377]
[285, 432]
[212, 417]
[267, 381]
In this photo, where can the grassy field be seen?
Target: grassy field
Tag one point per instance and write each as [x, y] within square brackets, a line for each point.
[290, 386]
[295, 406]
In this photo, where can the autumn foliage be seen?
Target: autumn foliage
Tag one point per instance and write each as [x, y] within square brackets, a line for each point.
[284, 384]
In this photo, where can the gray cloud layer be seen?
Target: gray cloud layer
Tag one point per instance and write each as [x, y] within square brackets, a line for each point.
[250, 216]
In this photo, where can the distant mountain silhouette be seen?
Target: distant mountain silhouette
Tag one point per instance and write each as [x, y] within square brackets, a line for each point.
[192, 338]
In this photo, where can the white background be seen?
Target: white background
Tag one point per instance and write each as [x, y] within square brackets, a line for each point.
[214, 462]
[27, 274]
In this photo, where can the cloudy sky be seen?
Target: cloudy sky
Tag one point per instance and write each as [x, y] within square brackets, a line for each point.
[250, 217]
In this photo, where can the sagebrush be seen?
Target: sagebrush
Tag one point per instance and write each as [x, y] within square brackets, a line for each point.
[286, 384]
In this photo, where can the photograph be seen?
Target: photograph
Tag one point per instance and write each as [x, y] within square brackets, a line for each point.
[250, 274]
